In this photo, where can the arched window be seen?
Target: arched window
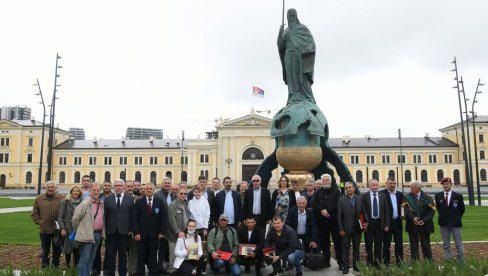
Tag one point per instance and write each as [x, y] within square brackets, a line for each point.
[483, 175]
[359, 176]
[93, 176]
[456, 176]
[376, 175]
[391, 174]
[28, 178]
[77, 177]
[139, 177]
[202, 173]
[122, 175]
[423, 176]
[62, 177]
[107, 176]
[169, 174]
[252, 154]
[440, 175]
[184, 176]
[408, 176]
[153, 177]
[206, 174]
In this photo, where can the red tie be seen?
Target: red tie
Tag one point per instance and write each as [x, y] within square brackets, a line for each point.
[149, 207]
[447, 199]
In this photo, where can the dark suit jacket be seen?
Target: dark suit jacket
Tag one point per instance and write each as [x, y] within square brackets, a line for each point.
[211, 203]
[220, 202]
[452, 215]
[424, 210]
[399, 199]
[257, 237]
[149, 226]
[384, 211]
[117, 219]
[161, 194]
[347, 217]
[266, 210]
[311, 225]
[326, 199]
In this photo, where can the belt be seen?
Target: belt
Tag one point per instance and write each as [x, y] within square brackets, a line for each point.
[97, 231]
[377, 219]
[256, 214]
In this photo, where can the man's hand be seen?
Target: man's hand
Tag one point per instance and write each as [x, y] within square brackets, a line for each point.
[314, 244]
[63, 232]
[137, 237]
[215, 255]
[251, 254]
[386, 229]
[160, 236]
[342, 233]
[232, 260]
[417, 221]
[275, 259]
[181, 235]
[324, 213]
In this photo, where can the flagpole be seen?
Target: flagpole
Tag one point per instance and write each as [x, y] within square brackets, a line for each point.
[283, 14]
[252, 99]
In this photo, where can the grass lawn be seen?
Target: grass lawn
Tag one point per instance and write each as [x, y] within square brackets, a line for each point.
[18, 228]
[11, 203]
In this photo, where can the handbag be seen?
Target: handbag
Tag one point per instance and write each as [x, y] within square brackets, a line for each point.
[314, 259]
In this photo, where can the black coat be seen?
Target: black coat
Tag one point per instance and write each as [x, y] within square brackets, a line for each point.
[399, 199]
[452, 215]
[284, 244]
[326, 199]
[266, 210]
[257, 238]
[311, 225]
[149, 225]
[383, 210]
[117, 219]
[220, 203]
[424, 210]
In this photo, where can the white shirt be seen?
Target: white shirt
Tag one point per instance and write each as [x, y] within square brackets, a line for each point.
[229, 206]
[121, 197]
[377, 201]
[394, 204]
[302, 222]
[200, 210]
[256, 206]
[249, 233]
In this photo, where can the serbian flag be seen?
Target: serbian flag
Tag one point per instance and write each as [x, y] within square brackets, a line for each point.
[258, 92]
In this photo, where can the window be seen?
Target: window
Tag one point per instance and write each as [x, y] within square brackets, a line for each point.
[417, 158]
[168, 160]
[203, 158]
[123, 160]
[107, 160]
[77, 177]
[77, 161]
[62, 177]
[423, 176]
[408, 176]
[62, 161]
[359, 176]
[376, 175]
[4, 142]
[401, 159]
[354, 159]
[139, 177]
[29, 158]
[483, 175]
[202, 173]
[107, 176]
[385, 159]
[440, 175]
[448, 158]
[184, 160]
[138, 160]
[92, 176]
[28, 178]
[184, 176]
[153, 177]
[31, 142]
[482, 155]
[370, 159]
[122, 175]
[206, 174]
[481, 138]
[169, 174]
[432, 158]
[92, 161]
[391, 173]
[3, 157]
[250, 154]
[456, 176]
[153, 160]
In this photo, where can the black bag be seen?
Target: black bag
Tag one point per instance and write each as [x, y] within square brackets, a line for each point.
[314, 259]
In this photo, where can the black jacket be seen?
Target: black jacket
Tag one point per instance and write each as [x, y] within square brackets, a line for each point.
[220, 203]
[285, 244]
[257, 238]
[149, 225]
[311, 226]
[399, 199]
[452, 215]
[266, 210]
[326, 199]
[117, 219]
[424, 210]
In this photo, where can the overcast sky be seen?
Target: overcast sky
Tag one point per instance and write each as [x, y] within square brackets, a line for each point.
[179, 65]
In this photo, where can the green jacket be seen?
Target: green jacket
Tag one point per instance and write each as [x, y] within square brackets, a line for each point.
[215, 240]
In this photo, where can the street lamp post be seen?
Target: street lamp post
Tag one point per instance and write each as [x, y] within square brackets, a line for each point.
[39, 178]
[471, 186]
[182, 152]
[51, 121]
[473, 115]
[401, 155]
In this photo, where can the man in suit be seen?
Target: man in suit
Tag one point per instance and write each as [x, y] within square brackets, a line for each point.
[350, 226]
[148, 224]
[450, 206]
[228, 202]
[251, 234]
[394, 200]
[209, 195]
[257, 203]
[117, 209]
[302, 221]
[308, 192]
[419, 212]
[164, 194]
[376, 210]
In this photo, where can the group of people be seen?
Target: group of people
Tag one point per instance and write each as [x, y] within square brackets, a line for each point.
[173, 229]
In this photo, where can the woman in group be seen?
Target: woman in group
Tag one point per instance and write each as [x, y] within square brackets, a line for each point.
[66, 211]
[189, 253]
[283, 198]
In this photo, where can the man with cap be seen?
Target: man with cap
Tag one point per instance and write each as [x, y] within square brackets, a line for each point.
[450, 206]
[223, 238]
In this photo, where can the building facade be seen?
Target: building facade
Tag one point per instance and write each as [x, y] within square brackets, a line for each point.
[19, 112]
[135, 133]
[77, 133]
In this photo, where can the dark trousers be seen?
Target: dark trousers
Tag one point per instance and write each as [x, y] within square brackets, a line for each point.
[46, 242]
[328, 228]
[117, 244]
[355, 238]
[147, 250]
[97, 262]
[75, 255]
[246, 262]
[394, 232]
[424, 238]
[374, 235]
[260, 221]
[306, 240]
[187, 266]
[163, 253]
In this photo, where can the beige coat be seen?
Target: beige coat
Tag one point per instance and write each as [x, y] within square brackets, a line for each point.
[83, 219]
[45, 212]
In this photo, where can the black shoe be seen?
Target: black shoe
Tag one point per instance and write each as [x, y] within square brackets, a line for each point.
[345, 271]
[95, 273]
[355, 268]
[327, 264]
[258, 273]
[279, 273]
[289, 267]
[247, 269]
[299, 274]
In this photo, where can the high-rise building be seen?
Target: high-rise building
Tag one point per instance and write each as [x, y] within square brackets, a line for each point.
[19, 112]
[135, 133]
[77, 133]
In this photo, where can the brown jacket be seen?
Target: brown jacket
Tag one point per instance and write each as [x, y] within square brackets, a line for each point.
[45, 212]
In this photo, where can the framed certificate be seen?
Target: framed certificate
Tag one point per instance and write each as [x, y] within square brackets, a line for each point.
[245, 249]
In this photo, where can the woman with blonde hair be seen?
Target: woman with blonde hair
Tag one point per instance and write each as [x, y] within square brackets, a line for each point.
[66, 211]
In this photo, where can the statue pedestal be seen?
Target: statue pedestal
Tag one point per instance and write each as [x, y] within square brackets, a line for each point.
[300, 176]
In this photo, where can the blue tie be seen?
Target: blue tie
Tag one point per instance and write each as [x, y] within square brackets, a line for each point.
[375, 206]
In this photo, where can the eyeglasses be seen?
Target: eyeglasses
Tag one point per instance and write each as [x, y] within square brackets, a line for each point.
[256, 180]
[182, 193]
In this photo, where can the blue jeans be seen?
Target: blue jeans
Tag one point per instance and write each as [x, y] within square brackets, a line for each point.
[294, 258]
[87, 253]
[46, 242]
[235, 270]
